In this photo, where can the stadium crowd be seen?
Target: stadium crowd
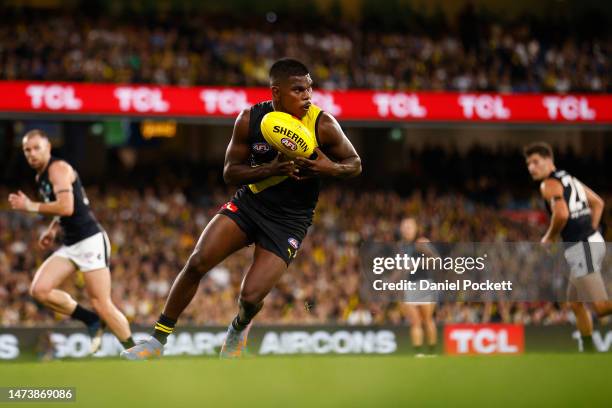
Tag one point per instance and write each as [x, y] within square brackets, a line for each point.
[152, 234]
[205, 50]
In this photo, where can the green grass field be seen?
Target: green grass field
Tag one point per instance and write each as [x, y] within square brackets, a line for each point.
[529, 380]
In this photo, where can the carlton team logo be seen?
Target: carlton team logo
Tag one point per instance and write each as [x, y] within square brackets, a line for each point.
[261, 147]
[289, 144]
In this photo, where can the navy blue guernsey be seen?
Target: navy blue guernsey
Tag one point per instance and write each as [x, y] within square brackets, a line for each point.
[579, 224]
[82, 223]
[289, 198]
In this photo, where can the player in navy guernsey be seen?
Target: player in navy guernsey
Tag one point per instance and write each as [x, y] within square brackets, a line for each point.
[272, 209]
[575, 213]
[419, 305]
[85, 244]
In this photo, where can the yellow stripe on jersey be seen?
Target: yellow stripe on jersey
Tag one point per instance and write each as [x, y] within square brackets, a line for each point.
[265, 183]
[310, 121]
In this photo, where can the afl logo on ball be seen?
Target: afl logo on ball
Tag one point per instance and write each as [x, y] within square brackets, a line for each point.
[261, 147]
[289, 144]
[294, 243]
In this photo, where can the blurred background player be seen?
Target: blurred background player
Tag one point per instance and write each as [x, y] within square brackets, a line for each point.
[271, 212]
[420, 306]
[575, 214]
[85, 244]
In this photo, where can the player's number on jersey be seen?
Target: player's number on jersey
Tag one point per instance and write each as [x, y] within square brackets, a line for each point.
[578, 198]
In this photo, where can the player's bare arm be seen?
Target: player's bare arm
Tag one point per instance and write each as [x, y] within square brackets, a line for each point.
[552, 192]
[48, 236]
[237, 169]
[341, 160]
[61, 176]
[597, 206]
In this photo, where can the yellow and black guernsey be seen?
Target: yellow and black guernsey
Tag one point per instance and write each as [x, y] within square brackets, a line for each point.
[277, 211]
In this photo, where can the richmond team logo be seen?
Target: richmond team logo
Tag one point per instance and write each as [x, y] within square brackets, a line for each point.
[294, 243]
[289, 144]
[261, 148]
[230, 207]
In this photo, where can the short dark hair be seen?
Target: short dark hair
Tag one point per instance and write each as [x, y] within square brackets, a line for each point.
[541, 148]
[285, 68]
[36, 132]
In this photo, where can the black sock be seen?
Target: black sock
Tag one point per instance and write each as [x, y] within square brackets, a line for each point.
[237, 325]
[163, 328]
[432, 349]
[86, 316]
[129, 343]
[246, 313]
[418, 349]
[587, 344]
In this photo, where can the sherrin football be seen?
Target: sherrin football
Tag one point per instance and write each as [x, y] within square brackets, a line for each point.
[287, 134]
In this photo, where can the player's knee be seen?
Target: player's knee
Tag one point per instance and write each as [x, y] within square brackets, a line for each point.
[40, 293]
[602, 308]
[576, 306]
[251, 296]
[197, 264]
[101, 305]
[414, 319]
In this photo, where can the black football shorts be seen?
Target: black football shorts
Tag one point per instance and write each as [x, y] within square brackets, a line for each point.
[271, 231]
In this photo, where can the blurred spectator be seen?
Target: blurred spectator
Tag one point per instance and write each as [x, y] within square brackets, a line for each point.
[207, 50]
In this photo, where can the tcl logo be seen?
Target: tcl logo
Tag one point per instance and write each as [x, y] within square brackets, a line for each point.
[141, 99]
[53, 97]
[484, 339]
[483, 107]
[399, 105]
[226, 102]
[569, 107]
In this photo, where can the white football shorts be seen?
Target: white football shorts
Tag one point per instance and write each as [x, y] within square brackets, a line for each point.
[90, 254]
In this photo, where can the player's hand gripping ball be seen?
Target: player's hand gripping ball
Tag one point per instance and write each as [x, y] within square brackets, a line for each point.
[288, 135]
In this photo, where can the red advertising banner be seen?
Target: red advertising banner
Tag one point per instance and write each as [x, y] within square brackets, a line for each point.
[484, 339]
[356, 105]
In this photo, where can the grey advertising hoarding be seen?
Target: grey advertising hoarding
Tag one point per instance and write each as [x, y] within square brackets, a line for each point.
[32, 343]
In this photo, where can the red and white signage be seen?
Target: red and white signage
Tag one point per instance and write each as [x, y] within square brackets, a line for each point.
[361, 105]
[484, 339]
